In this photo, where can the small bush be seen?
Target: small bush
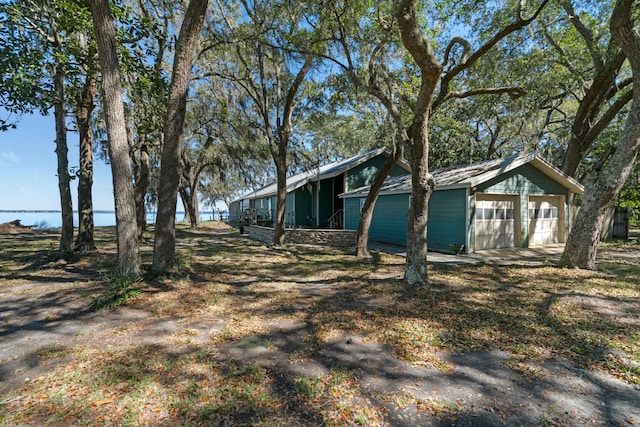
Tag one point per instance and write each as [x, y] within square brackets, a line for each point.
[120, 289]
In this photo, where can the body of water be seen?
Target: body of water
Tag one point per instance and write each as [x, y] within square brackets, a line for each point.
[53, 219]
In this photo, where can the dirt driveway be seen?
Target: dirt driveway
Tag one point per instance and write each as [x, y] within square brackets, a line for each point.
[39, 317]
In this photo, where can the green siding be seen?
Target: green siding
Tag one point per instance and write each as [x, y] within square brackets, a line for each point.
[351, 213]
[389, 222]
[446, 222]
[288, 213]
[305, 215]
[523, 180]
[326, 200]
[365, 173]
[274, 208]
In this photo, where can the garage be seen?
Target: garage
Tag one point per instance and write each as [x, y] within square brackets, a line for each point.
[546, 220]
[496, 221]
[477, 207]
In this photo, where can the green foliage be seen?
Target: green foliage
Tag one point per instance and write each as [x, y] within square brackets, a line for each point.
[119, 289]
[630, 196]
[183, 262]
[309, 386]
[38, 39]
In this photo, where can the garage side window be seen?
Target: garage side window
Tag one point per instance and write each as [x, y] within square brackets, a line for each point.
[479, 212]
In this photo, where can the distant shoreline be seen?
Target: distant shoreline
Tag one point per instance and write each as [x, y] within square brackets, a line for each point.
[95, 211]
[44, 211]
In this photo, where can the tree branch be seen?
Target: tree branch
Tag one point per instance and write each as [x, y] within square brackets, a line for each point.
[513, 92]
[473, 58]
[585, 32]
[466, 48]
[624, 33]
[292, 92]
[563, 56]
[607, 118]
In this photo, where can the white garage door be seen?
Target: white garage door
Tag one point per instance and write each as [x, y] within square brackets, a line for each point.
[495, 221]
[546, 220]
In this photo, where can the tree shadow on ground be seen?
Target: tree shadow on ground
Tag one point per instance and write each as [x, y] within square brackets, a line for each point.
[312, 337]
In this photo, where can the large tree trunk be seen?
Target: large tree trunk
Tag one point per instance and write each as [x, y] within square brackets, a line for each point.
[126, 231]
[285, 129]
[600, 193]
[281, 198]
[164, 251]
[362, 235]
[66, 203]
[84, 240]
[422, 183]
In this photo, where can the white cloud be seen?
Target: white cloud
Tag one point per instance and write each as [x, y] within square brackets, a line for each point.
[8, 157]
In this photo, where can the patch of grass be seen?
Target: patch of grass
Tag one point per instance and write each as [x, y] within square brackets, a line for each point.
[120, 288]
[310, 387]
[54, 351]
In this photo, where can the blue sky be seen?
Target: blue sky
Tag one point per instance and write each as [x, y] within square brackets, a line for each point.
[28, 166]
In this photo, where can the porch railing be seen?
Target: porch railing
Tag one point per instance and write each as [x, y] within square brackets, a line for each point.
[336, 220]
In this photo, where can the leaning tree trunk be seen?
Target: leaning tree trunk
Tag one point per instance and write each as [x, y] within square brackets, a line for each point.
[362, 235]
[143, 178]
[194, 211]
[126, 231]
[190, 204]
[183, 197]
[581, 247]
[84, 240]
[189, 190]
[164, 251]
[281, 198]
[66, 203]
[590, 119]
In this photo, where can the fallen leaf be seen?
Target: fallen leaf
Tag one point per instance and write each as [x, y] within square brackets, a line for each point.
[102, 402]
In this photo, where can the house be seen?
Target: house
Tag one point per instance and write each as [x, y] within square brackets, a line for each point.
[519, 201]
[313, 196]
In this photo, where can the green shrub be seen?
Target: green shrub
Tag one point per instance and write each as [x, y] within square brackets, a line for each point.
[119, 288]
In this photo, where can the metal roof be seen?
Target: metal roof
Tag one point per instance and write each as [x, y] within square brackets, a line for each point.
[469, 176]
[323, 172]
